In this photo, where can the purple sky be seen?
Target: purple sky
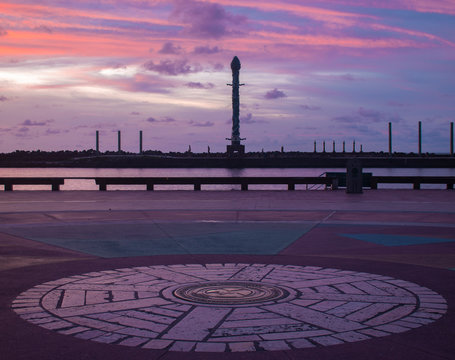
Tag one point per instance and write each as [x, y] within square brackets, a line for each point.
[314, 70]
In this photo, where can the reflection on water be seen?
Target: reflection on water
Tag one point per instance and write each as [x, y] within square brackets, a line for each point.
[86, 184]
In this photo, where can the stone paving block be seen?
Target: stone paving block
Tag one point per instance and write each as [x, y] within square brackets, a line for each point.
[36, 315]
[348, 289]
[42, 320]
[56, 325]
[133, 341]
[73, 298]
[266, 329]
[327, 340]
[109, 338]
[123, 295]
[392, 328]
[103, 316]
[182, 346]
[96, 324]
[274, 345]
[392, 315]
[146, 316]
[369, 312]
[260, 322]
[242, 346]
[313, 317]
[87, 335]
[235, 338]
[74, 330]
[197, 324]
[374, 332]
[157, 344]
[427, 315]
[426, 305]
[327, 305]
[351, 336]
[137, 332]
[210, 347]
[419, 320]
[407, 324]
[141, 324]
[252, 316]
[252, 273]
[295, 334]
[163, 311]
[51, 299]
[96, 297]
[301, 343]
[348, 308]
[106, 307]
[327, 289]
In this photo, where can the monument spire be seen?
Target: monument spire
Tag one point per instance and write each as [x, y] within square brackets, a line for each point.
[235, 147]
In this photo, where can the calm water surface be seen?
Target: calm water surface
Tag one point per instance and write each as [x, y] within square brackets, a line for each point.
[87, 184]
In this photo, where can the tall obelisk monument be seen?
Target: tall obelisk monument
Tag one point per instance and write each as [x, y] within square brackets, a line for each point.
[235, 147]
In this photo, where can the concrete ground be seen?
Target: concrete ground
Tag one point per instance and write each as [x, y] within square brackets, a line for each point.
[405, 237]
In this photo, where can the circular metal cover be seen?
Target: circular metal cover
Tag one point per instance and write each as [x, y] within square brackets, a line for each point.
[230, 293]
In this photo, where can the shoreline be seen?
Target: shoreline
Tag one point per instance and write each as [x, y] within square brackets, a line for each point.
[269, 160]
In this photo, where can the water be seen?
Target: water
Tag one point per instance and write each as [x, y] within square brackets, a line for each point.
[87, 184]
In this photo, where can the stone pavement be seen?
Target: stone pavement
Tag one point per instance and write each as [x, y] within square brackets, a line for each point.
[235, 275]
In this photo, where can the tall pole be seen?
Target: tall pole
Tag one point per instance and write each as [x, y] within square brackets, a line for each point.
[390, 138]
[451, 139]
[97, 141]
[235, 147]
[420, 137]
[140, 142]
[119, 138]
[235, 67]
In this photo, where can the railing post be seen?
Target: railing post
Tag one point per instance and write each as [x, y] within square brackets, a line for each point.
[451, 139]
[420, 138]
[390, 138]
[373, 184]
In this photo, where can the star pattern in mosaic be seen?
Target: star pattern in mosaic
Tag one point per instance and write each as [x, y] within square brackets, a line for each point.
[229, 307]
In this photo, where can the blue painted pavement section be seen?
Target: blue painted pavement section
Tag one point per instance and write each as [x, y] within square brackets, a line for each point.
[397, 240]
[144, 239]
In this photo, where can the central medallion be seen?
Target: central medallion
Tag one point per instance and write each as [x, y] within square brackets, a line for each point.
[230, 293]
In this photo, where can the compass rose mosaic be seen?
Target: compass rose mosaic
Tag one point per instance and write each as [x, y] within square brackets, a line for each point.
[229, 307]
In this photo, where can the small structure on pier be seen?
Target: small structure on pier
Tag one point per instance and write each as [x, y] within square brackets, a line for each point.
[236, 148]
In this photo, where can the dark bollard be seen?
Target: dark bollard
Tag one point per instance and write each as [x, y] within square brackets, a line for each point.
[354, 177]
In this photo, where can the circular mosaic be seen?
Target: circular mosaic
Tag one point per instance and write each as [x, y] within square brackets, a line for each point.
[229, 307]
[230, 293]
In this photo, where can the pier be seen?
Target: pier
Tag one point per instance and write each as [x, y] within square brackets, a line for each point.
[332, 181]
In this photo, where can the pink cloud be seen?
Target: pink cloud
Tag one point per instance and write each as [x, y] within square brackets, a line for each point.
[172, 67]
[206, 50]
[170, 49]
[204, 19]
[198, 85]
[274, 94]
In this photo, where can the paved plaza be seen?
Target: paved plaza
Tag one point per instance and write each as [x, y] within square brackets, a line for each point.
[227, 274]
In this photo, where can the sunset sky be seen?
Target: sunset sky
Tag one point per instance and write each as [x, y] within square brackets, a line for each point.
[313, 70]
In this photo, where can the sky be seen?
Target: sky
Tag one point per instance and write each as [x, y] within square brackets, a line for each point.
[316, 70]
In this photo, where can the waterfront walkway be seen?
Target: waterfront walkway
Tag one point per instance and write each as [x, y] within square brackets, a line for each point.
[227, 274]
